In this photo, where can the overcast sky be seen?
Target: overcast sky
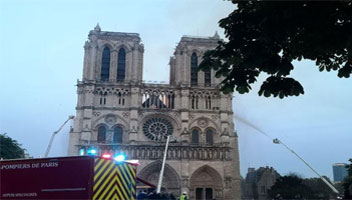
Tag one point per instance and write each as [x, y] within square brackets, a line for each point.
[41, 58]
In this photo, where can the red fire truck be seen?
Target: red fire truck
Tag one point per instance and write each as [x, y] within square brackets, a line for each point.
[80, 177]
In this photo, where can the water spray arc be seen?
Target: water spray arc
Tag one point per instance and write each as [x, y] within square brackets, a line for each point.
[277, 141]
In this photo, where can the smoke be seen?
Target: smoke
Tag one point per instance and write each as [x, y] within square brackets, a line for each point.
[252, 126]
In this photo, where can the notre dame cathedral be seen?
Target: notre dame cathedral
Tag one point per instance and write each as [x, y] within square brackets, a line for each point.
[118, 112]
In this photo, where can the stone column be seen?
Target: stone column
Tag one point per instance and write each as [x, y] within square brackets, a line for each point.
[185, 115]
[86, 63]
[135, 102]
[185, 184]
[92, 69]
[140, 63]
[113, 66]
[87, 114]
[109, 136]
[135, 64]
[97, 64]
[186, 69]
[178, 64]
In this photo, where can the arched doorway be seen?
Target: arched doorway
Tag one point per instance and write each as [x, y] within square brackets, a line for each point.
[206, 184]
[171, 180]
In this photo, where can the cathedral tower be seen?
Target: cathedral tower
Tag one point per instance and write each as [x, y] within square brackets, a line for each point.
[117, 112]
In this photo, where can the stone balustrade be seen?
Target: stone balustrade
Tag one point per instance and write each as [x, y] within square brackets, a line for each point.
[175, 152]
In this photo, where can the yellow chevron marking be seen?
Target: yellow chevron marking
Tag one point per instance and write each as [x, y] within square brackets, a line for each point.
[108, 187]
[103, 176]
[103, 185]
[115, 197]
[111, 182]
[98, 165]
[132, 168]
[101, 170]
[126, 171]
[131, 179]
[126, 185]
[112, 192]
[120, 184]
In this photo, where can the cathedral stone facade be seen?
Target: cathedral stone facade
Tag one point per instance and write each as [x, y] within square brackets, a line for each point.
[118, 112]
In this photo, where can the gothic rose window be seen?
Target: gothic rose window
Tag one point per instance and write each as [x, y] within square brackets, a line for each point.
[157, 129]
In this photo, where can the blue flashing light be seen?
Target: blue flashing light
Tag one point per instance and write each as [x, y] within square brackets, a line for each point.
[92, 151]
[81, 152]
[120, 157]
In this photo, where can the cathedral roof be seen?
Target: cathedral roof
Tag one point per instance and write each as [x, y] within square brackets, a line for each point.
[199, 39]
[113, 35]
[186, 40]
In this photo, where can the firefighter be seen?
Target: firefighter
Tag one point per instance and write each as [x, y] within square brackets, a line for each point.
[184, 196]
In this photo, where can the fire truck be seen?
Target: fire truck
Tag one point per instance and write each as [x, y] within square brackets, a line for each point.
[78, 177]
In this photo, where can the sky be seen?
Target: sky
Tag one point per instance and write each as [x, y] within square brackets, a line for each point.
[41, 59]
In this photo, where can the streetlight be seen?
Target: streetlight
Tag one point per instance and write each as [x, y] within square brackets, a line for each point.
[56, 132]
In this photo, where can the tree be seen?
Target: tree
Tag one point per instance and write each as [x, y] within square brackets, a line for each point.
[347, 183]
[267, 36]
[319, 189]
[290, 187]
[9, 148]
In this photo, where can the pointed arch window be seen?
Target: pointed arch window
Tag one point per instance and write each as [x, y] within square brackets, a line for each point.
[105, 65]
[103, 96]
[118, 134]
[194, 70]
[209, 137]
[121, 65]
[207, 77]
[101, 134]
[195, 136]
[208, 102]
[192, 102]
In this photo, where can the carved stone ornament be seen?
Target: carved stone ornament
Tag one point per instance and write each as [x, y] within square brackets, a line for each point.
[228, 181]
[140, 113]
[86, 45]
[80, 90]
[191, 116]
[185, 131]
[214, 117]
[203, 122]
[86, 128]
[110, 119]
[96, 113]
[125, 114]
[133, 130]
[185, 181]
[176, 114]
[225, 132]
